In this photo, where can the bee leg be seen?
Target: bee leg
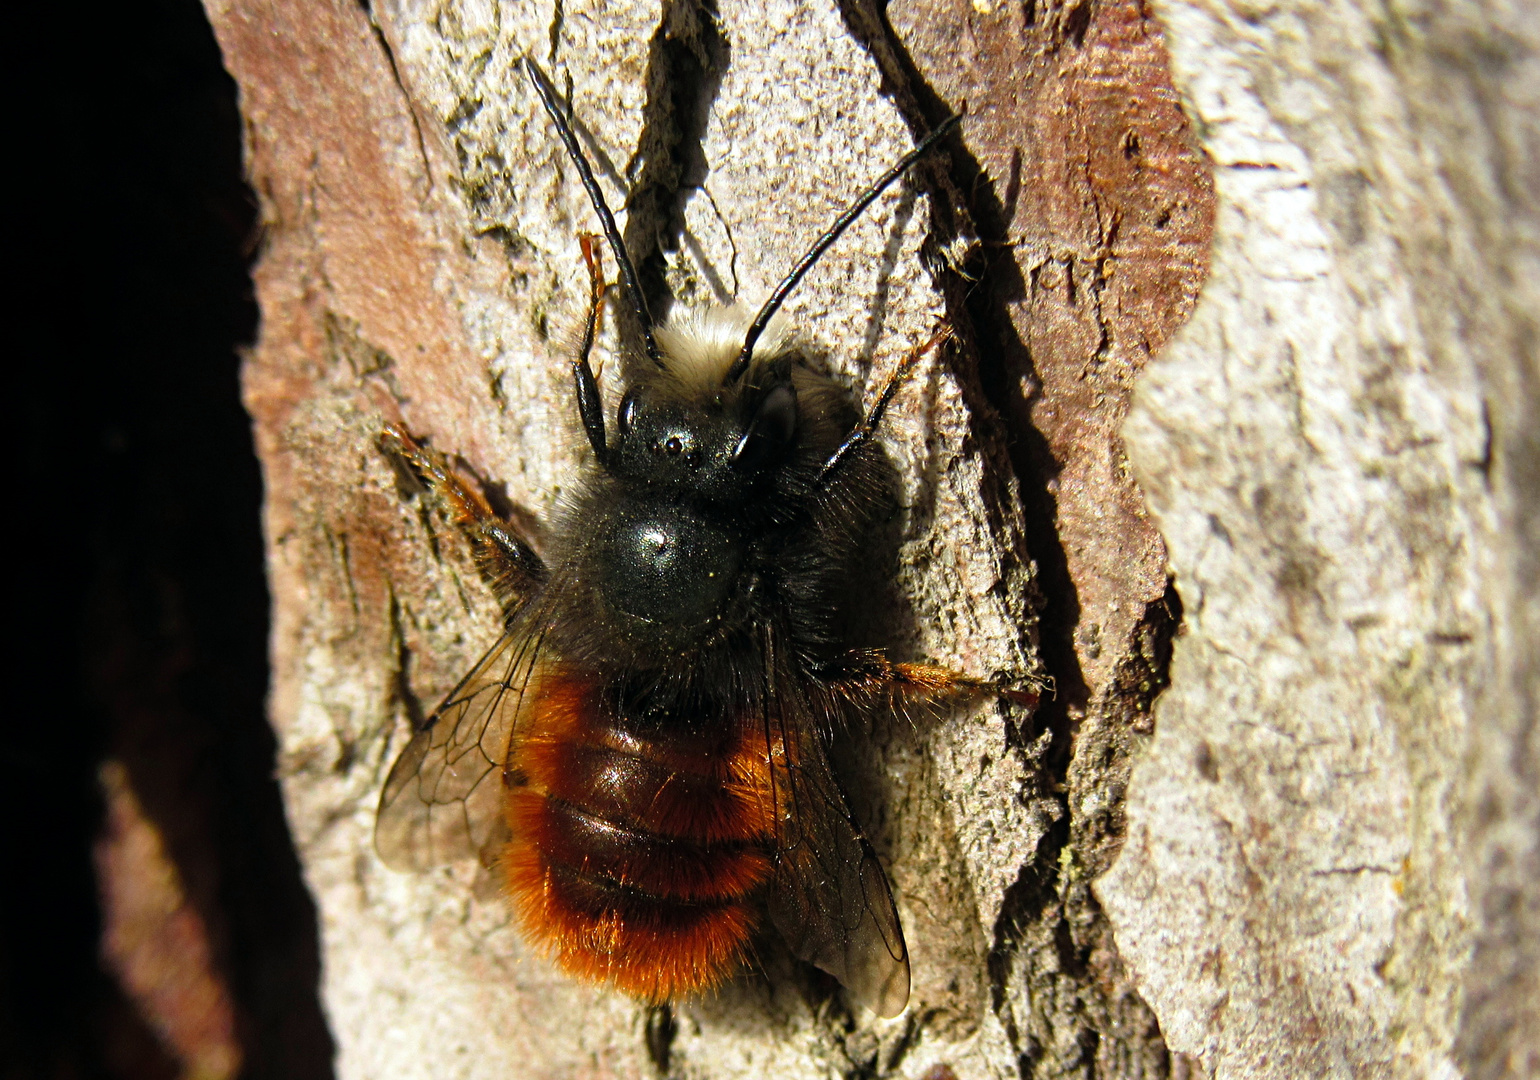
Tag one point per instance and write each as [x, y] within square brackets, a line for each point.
[504, 557]
[590, 404]
[867, 428]
[867, 679]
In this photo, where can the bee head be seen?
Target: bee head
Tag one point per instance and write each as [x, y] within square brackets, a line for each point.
[700, 463]
[687, 430]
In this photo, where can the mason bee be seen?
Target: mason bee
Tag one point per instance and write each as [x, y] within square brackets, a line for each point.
[643, 755]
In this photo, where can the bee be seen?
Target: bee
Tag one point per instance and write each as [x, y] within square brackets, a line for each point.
[643, 754]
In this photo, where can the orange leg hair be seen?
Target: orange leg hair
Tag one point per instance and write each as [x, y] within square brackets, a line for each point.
[867, 428]
[596, 287]
[504, 557]
[867, 679]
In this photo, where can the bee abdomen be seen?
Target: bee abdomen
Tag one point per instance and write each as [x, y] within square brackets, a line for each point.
[657, 916]
[635, 859]
[649, 795]
[655, 948]
[619, 853]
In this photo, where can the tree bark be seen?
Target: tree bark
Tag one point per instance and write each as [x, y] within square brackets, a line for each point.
[1332, 865]
[1327, 823]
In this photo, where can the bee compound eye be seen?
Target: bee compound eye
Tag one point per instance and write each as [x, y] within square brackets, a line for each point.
[770, 432]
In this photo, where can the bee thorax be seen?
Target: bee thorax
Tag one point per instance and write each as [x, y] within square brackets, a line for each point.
[669, 565]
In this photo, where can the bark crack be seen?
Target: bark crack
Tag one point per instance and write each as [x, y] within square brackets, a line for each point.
[685, 61]
[408, 101]
[1054, 973]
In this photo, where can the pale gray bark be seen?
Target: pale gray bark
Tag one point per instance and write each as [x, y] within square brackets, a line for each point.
[1331, 865]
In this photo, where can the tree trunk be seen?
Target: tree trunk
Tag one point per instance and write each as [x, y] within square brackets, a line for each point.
[1316, 852]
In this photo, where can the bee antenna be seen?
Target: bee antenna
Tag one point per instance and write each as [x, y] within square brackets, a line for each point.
[562, 119]
[822, 244]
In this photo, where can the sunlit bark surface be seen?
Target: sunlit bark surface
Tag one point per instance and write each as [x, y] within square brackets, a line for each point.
[1298, 499]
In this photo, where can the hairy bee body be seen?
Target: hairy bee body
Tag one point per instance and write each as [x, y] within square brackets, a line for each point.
[644, 753]
[639, 789]
[648, 710]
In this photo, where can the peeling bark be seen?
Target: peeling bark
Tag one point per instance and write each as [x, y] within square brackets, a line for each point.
[1093, 210]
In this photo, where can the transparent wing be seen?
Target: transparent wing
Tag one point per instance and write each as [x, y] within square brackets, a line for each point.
[829, 897]
[443, 798]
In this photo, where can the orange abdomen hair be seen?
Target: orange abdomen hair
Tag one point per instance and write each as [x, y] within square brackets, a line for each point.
[634, 859]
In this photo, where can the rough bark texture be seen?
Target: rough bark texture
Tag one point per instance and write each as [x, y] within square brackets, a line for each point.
[1332, 813]
[1095, 212]
[1331, 864]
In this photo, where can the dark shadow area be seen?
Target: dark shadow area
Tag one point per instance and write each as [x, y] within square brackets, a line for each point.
[685, 63]
[140, 610]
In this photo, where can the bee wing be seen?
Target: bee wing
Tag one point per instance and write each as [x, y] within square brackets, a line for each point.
[829, 897]
[443, 798]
